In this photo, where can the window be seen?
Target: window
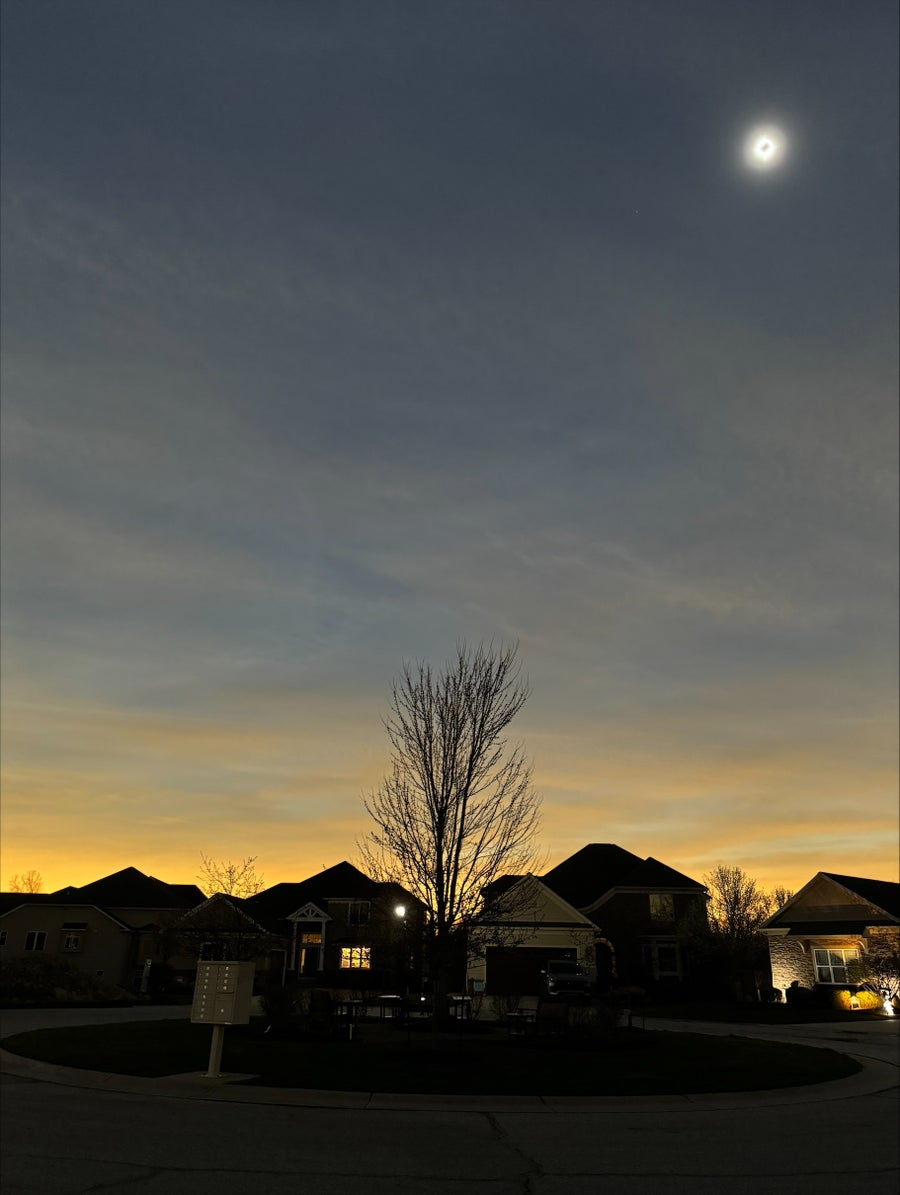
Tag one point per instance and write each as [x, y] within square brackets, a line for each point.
[662, 906]
[311, 939]
[352, 912]
[831, 965]
[35, 939]
[661, 958]
[2, 937]
[72, 942]
[356, 957]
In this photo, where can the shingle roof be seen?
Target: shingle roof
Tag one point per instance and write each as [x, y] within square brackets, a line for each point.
[341, 881]
[16, 900]
[131, 889]
[884, 894]
[591, 872]
[653, 874]
[585, 876]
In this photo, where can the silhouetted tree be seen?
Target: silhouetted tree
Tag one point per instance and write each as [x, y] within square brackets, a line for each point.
[457, 810]
[728, 946]
[232, 879]
[28, 881]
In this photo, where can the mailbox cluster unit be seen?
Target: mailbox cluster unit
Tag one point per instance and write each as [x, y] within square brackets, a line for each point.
[222, 993]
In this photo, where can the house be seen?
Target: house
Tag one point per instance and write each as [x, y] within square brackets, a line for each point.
[636, 913]
[223, 927]
[513, 944]
[344, 928]
[830, 924]
[109, 928]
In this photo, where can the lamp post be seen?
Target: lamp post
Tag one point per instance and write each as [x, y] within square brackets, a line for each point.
[400, 914]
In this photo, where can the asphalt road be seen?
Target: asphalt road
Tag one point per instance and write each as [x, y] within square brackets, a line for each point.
[834, 1138]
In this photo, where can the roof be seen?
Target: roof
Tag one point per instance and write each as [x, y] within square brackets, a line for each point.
[590, 872]
[653, 874]
[10, 901]
[883, 894]
[131, 889]
[600, 867]
[343, 881]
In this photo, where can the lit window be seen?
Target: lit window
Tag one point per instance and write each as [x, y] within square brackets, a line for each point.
[72, 942]
[311, 939]
[355, 957]
[35, 939]
[662, 906]
[831, 965]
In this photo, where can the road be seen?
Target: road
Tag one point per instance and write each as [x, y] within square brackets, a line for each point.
[834, 1138]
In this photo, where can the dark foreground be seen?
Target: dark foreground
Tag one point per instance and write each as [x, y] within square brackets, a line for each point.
[487, 1061]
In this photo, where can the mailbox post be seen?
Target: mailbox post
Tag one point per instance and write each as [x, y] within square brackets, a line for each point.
[221, 997]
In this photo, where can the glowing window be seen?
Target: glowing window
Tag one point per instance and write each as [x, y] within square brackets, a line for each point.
[356, 957]
[311, 939]
[831, 965]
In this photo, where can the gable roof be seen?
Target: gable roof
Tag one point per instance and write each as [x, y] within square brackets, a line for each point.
[650, 873]
[882, 894]
[882, 897]
[132, 889]
[10, 901]
[224, 913]
[343, 881]
[590, 872]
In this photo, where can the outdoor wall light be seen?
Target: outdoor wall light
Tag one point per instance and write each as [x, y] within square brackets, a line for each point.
[399, 910]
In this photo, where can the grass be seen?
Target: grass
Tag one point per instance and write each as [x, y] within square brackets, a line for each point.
[382, 1058]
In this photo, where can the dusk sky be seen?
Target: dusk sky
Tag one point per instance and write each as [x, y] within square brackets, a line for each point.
[337, 333]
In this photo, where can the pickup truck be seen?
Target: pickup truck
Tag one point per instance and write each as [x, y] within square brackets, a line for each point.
[566, 978]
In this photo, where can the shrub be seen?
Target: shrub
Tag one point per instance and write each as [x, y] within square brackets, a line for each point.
[29, 981]
[842, 998]
[592, 1021]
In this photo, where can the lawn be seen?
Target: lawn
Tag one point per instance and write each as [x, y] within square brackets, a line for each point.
[382, 1058]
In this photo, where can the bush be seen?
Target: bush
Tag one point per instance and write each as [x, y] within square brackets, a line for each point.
[799, 996]
[592, 1021]
[842, 998]
[29, 981]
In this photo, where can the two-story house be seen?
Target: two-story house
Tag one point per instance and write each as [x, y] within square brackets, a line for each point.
[345, 929]
[625, 919]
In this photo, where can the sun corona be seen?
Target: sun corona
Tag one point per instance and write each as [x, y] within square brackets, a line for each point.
[764, 148]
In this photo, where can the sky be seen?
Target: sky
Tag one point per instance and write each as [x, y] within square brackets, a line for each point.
[336, 334]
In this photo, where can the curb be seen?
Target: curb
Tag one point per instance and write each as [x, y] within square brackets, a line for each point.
[875, 1076]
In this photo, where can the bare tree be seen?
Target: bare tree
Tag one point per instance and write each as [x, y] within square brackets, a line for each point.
[778, 898]
[233, 879]
[28, 881]
[457, 810]
[736, 909]
[737, 906]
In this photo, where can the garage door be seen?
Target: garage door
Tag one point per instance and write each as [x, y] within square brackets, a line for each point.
[516, 970]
